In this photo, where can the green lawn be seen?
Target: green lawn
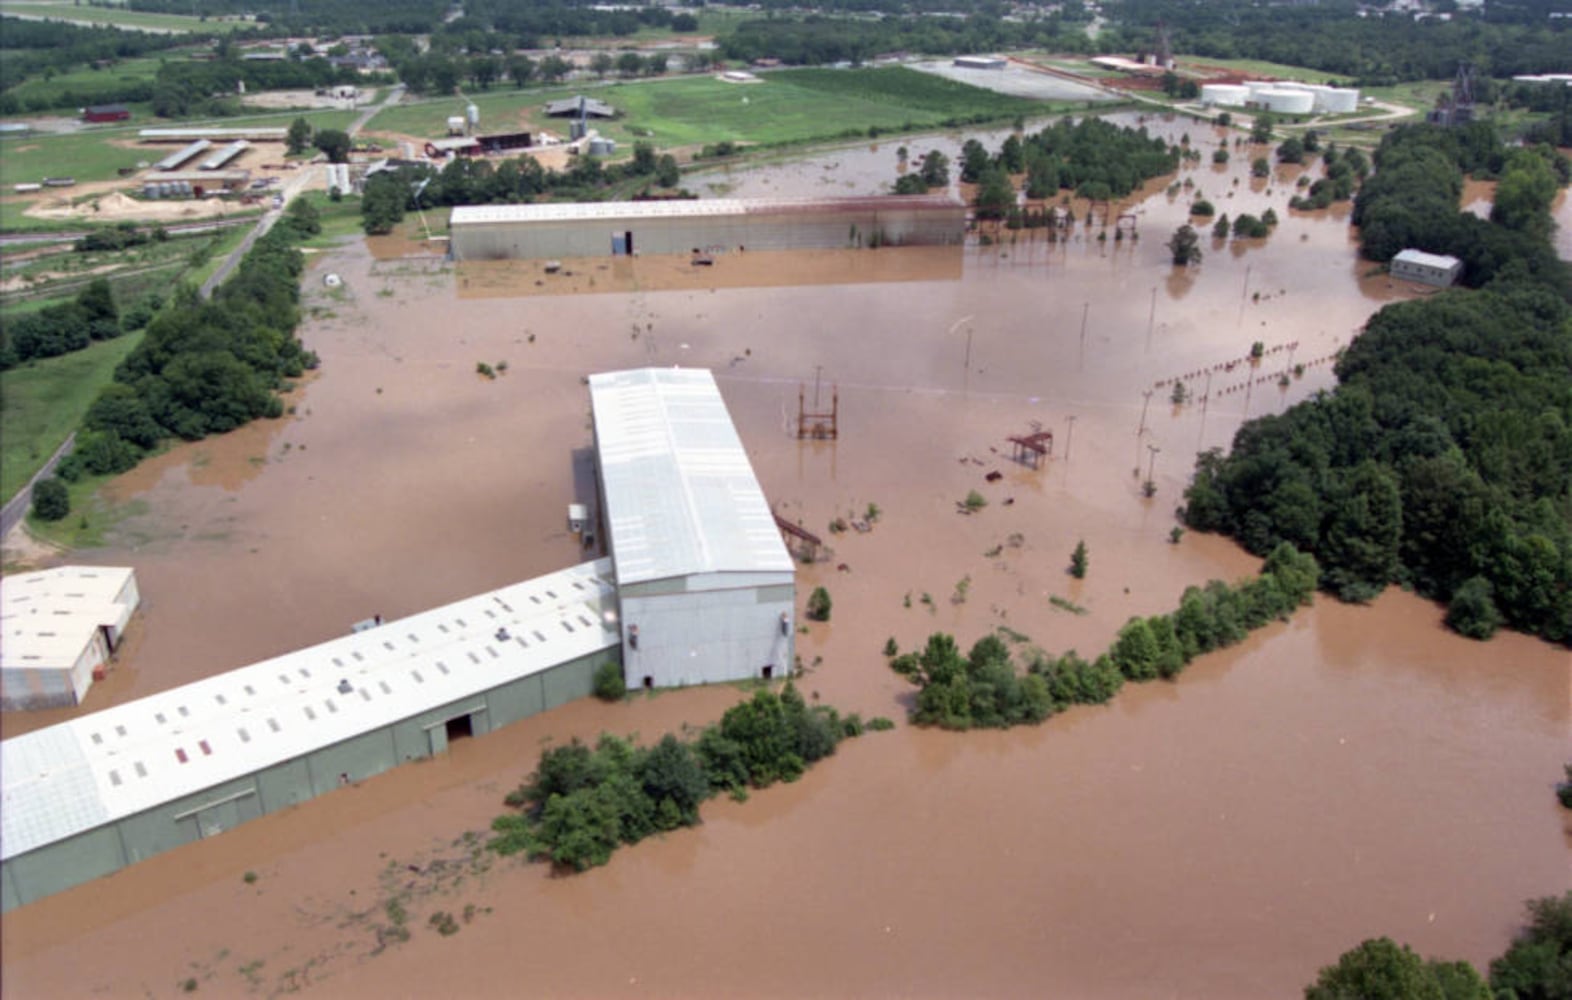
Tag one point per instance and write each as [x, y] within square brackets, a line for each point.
[119, 17]
[1258, 67]
[42, 402]
[790, 106]
[89, 155]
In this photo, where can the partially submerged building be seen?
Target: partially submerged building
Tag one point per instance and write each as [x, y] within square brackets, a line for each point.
[595, 229]
[1427, 268]
[706, 588]
[58, 630]
[87, 797]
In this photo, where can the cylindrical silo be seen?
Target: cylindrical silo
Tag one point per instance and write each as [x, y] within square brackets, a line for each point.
[1286, 102]
[1338, 102]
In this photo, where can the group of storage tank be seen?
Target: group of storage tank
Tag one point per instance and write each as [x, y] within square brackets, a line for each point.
[166, 189]
[1286, 98]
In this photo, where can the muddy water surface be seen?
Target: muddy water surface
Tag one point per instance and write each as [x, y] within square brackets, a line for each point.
[1356, 772]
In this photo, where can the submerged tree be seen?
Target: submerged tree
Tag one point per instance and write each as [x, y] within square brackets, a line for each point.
[1185, 246]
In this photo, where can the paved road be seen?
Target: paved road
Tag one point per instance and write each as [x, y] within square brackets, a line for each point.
[185, 228]
[16, 508]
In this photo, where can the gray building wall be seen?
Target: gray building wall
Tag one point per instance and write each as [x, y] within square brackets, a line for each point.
[1438, 276]
[794, 230]
[105, 849]
[706, 636]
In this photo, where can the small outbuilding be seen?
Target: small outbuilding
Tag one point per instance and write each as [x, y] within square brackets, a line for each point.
[1427, 268]
[705, 586]
[573, 107]
[980, 62]
[106, 113]
[58, 630]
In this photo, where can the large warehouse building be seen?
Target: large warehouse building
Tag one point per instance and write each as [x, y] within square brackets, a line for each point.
[598, 229]
[58, 629]
[86, 797]
[705, 585]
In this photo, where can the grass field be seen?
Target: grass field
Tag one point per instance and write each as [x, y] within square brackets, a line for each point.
[790, 106]
[42, 402]
[89, 155]
[118, 17]
[85, 84]
[1257, 67]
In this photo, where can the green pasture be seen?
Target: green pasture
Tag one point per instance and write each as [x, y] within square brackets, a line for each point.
[41, 403]
[789, 106]
[119, 17]
[85, 83]
[1259, 67]
[1418, 94]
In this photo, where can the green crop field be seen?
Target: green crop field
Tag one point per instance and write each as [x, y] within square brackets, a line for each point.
[89, 155]
[42, 402]
[789, 106]
[117, 17]
[1257, 67]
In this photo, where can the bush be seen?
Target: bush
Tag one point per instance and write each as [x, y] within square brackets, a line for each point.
[1473, 611]
[819, 605]
[609, 682]
[1203, 208]
[51, 500]
[1078, 560]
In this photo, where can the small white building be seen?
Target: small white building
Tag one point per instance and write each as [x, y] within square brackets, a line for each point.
[980, 62]
[705, 585]
[1427, 268]
[58, 629]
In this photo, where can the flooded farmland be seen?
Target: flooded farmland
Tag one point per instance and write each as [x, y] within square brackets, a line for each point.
[1356, 772]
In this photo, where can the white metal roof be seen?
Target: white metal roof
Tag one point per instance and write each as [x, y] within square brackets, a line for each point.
[1424, 259]
[254, 133]
[681, 497]
[47, 618]
[572, 211]
[71, 777]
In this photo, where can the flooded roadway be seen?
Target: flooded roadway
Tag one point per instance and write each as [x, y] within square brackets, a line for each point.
[1357, 772]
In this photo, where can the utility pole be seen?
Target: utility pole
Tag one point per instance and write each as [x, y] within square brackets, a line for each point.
[1084, 311]
[1069, 436]
[1151, 319]
[1152, 462]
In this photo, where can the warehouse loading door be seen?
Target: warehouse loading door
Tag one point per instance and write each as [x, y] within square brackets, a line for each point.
[622, 243]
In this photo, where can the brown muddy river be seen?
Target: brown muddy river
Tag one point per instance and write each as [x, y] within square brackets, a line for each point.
[1354, 773]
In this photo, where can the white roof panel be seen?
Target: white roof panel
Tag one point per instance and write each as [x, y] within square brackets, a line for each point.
[1424, 259]
[685, 208]
[68, 778]
[48, 617]
[681, 497]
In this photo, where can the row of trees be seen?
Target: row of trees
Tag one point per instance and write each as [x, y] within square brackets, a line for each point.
[183, 89]
[205, 367]
[1537, 966]
[984, 690]
[466, 181]
[61, 329]
[42, 49]
[580, 804]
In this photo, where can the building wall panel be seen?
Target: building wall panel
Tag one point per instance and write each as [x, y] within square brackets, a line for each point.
[709, 636]
[64, 864]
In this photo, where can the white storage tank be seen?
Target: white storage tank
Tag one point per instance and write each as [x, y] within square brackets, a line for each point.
[1287, 102]
[1228, 95]
[1338, 102]
[1255, 87]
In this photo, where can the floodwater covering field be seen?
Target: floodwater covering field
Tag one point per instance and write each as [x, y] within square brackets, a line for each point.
[1356, 772]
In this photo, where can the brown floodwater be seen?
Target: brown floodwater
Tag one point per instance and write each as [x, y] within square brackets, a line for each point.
[1357, 772]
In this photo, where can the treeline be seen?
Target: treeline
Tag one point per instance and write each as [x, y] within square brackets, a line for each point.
[61, 329]
[41, 49]
[286, 17]
[205, 367]
[472, 181]
[1412, 201]
[1537, 966]
[818, 40]
[984, 690]
[185, 89]
[581, 804]
[1443, 461]
[1368, 51]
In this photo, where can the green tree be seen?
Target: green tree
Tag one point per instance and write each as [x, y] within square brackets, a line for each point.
[1292, 150]
[335, 143]
[995, 196]
[382, 205]
[1184, 247]
[520, 70]
[1078, 560]
[819, 605]
[298, 139]
[1220, 227]
[674, 780]
[1538, 965]
[609, 682]
[1472, 611]
[935, 169]
[1261, 129]
[1380, 969]
[910, 184]
[667, 173]
[51, 500]
[1260, 167]
[601, 64]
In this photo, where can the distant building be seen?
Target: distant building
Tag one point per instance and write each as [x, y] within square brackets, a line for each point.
[58, 629]
[106, 113]
[980, 62]
[705, 587]
[570, 107]
[1427, 268]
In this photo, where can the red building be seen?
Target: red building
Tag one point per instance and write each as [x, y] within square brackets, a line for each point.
[107, 113]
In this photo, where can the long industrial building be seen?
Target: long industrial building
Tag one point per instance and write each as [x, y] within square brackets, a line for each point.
[58, 629]
[598, 229]
[705, 584]
[698, 588]
[86, 797]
